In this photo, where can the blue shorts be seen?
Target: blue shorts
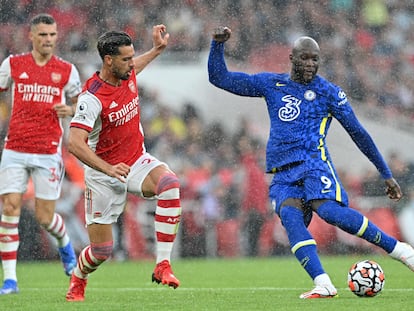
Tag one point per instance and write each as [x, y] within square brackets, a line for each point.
[307, 181]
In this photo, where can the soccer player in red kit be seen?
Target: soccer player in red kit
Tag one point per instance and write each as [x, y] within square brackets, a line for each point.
[39, 82]
[106, 135]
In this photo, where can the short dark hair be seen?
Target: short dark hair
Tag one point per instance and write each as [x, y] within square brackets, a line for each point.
[109, 42]
[42, 18]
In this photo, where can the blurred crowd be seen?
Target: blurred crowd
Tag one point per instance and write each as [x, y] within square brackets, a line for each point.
[368, 45]
[368, 49]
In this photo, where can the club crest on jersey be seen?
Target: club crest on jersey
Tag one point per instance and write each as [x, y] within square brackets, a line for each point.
[56, 77]
[310, 95]
[132, 86]
[291, 110]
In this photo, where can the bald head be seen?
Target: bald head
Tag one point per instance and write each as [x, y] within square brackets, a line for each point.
[304, 59]
[306, 43]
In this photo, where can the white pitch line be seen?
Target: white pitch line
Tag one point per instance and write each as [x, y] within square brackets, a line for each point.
[203, 289]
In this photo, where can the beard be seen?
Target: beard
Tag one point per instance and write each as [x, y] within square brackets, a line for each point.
[121, 75]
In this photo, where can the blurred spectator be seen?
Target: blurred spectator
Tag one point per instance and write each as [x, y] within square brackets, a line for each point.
[254, 202]
[403, 171]
[353, 28]
[375, 15]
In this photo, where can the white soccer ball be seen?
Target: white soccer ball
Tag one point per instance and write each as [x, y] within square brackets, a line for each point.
[366, 278]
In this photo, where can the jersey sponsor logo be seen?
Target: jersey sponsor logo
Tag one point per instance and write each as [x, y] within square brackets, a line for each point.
[24, 75]
[125, 114]
[291, 110]
[310, 95]
[37, 92]
[280, 84]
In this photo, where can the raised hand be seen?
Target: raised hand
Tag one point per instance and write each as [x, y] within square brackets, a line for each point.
[221, 34]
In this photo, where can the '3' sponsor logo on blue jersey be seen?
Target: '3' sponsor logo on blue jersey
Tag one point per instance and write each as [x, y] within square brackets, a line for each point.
[291, 110]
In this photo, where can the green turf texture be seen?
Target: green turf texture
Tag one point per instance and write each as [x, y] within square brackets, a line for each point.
[273, 283]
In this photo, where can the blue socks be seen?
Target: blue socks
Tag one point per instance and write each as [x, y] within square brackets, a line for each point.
[303, 246]
[353, 222]
[301, 241]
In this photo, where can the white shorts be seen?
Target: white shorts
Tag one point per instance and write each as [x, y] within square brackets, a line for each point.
[46, 170]
[106, 197]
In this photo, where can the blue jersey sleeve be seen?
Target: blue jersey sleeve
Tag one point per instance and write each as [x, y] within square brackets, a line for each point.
[238, 83]
[343, 112]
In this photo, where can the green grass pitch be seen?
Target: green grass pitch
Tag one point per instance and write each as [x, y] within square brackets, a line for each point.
[209, 284]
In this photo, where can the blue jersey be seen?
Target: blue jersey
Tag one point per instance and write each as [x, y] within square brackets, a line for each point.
[300, 114]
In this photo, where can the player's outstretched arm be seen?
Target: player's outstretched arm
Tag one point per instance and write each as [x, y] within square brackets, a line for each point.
[393, 189]
[239, 83]
[159, 43]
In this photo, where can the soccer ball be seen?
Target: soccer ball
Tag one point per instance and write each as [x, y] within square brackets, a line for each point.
[366, 278]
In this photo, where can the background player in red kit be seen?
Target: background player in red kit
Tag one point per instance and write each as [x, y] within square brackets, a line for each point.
[40, 82]
[107, 136]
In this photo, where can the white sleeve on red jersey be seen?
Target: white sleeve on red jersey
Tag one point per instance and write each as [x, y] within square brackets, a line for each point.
[5, 74]
[88, 110]
[73, 87]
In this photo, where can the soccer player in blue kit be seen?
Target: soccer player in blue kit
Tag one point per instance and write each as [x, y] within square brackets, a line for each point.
[301, 106]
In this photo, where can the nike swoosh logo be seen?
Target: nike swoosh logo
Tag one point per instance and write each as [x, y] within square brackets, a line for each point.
[280, 84]
[326, 191]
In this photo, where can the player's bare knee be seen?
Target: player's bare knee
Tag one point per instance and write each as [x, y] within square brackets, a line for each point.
[11, 205]
[316, 203]
[102, 251]
[43, 217]
[167, 182]
[298, 203]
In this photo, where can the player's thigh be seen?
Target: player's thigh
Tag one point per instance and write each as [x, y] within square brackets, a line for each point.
[12, 204]
[140, 170]
[105, 197]
[284, 189]
[44, 210]
[100, 233]
[324, 183]
[47, 176]
[14, 172]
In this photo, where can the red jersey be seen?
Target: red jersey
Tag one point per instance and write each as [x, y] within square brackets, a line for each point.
[34, 126]
[111, 115]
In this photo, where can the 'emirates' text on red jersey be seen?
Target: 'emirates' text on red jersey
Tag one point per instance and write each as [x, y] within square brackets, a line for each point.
[34, 126]
[111, 115]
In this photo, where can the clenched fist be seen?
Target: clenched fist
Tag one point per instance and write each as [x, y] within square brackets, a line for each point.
[221, 34]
